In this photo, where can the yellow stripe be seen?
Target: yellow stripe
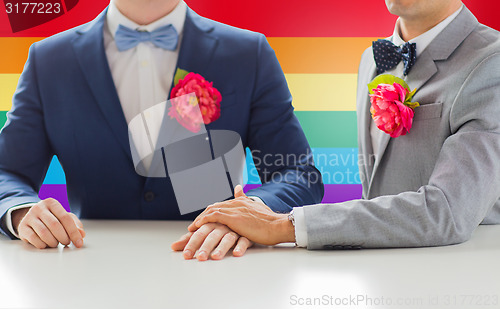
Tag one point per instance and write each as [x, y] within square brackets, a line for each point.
[311, 92]
[323, 92]
[8, 84]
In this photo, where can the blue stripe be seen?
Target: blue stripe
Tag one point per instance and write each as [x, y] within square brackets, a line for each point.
[337, 165]
[55, 174]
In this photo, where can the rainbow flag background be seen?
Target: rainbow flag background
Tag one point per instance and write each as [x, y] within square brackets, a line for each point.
[318, 43]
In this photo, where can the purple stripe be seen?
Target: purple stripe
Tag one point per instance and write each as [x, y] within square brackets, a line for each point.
[341, 193]
[57, 192]
[333, 193]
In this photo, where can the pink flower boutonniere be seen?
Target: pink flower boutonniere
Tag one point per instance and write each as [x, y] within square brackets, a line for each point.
[193, 111]
[391, 106]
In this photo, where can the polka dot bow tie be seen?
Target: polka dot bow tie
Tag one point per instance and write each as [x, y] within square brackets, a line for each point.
[388, 55]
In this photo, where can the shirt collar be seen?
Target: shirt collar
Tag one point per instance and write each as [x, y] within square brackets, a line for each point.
[426, 38]
[177, 18]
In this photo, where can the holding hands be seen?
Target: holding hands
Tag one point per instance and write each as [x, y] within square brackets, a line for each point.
[212, 240]
[249, 218]
[240, 221]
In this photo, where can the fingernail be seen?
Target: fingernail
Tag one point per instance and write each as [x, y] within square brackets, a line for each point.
[202, 255]
[216, 253]
[188, 254]
[79, 243]
[237, 249]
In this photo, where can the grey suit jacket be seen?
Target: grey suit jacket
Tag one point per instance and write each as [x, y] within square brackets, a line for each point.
[436, 184]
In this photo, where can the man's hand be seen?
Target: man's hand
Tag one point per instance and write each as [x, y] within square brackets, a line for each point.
[212, 239]
[253, 220]
[46, 224]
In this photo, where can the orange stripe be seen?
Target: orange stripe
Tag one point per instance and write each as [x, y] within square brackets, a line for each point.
[14, 52]
[320, 55]
[296, 55]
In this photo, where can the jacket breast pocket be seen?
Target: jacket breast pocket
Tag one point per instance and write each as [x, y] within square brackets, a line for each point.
[428, 111]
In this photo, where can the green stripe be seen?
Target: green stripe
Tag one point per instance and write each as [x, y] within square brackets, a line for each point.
[3, 118]
[323, 129]
[329, 129]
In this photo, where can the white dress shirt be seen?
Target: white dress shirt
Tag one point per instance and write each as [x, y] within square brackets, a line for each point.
[376, 134]
[143, 74]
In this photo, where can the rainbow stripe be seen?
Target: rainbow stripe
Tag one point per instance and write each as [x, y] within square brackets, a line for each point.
[320, 72]
[318, 44]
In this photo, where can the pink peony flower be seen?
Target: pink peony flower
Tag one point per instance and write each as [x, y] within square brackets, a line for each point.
[189, 111]
[389, 111]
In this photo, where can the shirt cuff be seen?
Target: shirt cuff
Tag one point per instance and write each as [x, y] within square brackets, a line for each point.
[301, 238]
[8, 217]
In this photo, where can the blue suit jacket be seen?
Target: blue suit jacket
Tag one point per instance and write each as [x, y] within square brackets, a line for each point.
[66, 105]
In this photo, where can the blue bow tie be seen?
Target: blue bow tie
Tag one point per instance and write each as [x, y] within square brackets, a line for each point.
[165, 37]
[388, 55]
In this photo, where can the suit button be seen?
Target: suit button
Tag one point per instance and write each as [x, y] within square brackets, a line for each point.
[149, 196]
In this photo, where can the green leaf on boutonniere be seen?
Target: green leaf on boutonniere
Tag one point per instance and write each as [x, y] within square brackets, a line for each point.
[410, 94]
[179, 74]
[391, 79]
[408, 101]
[388, 79]
[412, 105]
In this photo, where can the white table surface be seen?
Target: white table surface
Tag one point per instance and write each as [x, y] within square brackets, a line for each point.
[129, 264]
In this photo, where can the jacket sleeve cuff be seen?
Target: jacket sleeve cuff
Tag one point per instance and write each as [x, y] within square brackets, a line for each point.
[8, 217]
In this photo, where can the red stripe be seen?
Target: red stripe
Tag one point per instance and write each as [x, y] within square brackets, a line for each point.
[320, 18]
[275, 18]
[298, 18]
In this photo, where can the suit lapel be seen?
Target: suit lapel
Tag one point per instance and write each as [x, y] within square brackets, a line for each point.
[441, 48]
[365, 120]
[89, 49]
[198, 45]
[195, 54]
[423, 70]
